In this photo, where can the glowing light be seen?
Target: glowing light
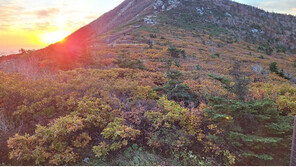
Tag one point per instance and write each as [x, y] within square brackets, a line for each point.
[53, 37]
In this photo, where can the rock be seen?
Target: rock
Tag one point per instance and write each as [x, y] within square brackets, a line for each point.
[162, 5]
[257, 69]
[86, 160]
[228, 14]
[172, 4]
[159, 4]
[200, 11]
[254, 30]
[149, 20]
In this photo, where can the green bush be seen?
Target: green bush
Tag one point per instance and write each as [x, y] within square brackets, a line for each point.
[176, 90]
[266, 48]
[224, 80]
[127, 63]
[198, 67]
[153, 35]
[177, 63]
[255, 131]
[175, 53]
[216, 55]
[137, 156]
[281, 49]
[273, 68]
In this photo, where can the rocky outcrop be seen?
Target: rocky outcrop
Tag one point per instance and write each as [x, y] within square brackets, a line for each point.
[162, 5]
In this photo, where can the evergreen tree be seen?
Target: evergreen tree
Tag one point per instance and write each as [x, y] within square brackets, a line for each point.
[255, 131]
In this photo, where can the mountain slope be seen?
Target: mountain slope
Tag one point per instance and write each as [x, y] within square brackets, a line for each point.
[227, 20]
[155, 82]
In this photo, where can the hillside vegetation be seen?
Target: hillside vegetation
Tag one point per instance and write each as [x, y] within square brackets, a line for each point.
[184, 82]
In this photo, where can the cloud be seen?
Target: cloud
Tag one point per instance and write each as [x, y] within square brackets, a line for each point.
[9, 12]
[47, 12]
[4, 27]
[278, 6]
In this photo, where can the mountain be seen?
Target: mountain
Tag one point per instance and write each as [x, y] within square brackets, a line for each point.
[242, 21]
[155, 82]
[227, 20]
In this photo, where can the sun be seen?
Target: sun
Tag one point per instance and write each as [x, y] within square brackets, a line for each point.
[53, 37]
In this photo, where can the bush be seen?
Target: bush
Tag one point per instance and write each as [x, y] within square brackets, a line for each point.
[216, 55]
[255, 131]
[176, 90]
[138, 156]
[177, 63]
[127, 63]
[273, 68]
[198, 67]
[281, 49]
[266, 48]
[224, 80]
[153, 35]
[150, 44]
[175, 53]
[73, 119]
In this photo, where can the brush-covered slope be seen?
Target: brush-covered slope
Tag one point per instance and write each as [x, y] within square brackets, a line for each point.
[156, 82]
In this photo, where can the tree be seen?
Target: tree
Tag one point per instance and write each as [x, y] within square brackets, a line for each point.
[175, 53]
[274, 68]
[177, 91]
[255, 131]
[241, 81]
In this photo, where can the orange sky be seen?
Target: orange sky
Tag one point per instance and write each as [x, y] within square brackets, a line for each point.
[33, 24]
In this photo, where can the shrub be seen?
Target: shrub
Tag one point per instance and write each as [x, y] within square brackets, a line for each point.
[255, 131]
[266, 48]
[281, 49]
[138, 156]
[183, 134]
[198, 67]
[49, 145]
[118, 134]
[153, 35]
[216, 55]
[174, 52]
[176, 90]
[224, 80]
[150, 44]
[177, 63]
[273, 68]
[127, 63]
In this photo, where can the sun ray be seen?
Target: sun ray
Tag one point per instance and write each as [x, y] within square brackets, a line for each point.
[53, 37]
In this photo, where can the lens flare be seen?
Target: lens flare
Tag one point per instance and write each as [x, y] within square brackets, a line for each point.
[53, 37]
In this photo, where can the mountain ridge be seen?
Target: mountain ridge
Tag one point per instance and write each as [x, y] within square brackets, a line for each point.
[233, 21]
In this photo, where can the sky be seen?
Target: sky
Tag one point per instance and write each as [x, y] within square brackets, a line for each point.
[33, 24]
